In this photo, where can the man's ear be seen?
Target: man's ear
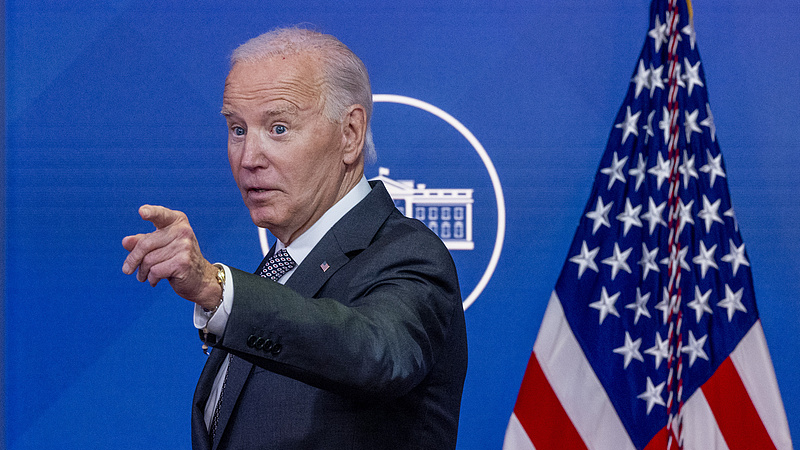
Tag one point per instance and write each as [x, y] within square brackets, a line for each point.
[354, 131]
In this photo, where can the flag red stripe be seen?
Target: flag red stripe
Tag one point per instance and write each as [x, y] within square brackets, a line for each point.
[736, 416]
[541, 414]
[659, 441]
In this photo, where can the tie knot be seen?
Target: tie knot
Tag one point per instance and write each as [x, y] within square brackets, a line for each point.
[277, 265]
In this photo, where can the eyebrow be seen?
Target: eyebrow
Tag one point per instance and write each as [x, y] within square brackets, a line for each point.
[290, 109]
[270, 113]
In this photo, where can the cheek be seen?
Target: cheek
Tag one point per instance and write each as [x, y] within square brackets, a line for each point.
[234, 166]
[234, 159]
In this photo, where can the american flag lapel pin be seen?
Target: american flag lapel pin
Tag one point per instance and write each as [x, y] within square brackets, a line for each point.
[324, 266]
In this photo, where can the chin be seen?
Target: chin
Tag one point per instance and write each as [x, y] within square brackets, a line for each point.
[261, 223]
[261, 218]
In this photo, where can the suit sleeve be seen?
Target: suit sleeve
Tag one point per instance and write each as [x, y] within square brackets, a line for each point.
[378, 326]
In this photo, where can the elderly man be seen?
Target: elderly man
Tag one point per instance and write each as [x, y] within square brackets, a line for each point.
[350, 335]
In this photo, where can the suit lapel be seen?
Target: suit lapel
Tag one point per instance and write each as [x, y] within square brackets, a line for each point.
[323, 261]
[349, 236]
[200, 437]
[238, 372]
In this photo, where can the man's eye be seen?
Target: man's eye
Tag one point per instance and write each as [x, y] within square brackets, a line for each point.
[238, 131]
[279, 129]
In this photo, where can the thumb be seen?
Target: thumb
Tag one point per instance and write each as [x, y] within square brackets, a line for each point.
[160, 216]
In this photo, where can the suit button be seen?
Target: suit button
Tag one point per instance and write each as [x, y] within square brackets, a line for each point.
[259, 343]
[276, 348]
[251, 340]
[267, 345]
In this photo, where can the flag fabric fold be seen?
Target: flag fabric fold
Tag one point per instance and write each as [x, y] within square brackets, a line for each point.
[651, 338]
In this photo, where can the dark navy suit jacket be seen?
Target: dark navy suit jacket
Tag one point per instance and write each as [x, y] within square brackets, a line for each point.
[368, 353]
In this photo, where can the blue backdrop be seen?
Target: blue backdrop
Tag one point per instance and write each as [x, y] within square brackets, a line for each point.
[113, 104]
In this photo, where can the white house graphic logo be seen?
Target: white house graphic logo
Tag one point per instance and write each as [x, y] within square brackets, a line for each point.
[447, 212]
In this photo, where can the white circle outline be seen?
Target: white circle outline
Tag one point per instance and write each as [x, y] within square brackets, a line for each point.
[498, 189]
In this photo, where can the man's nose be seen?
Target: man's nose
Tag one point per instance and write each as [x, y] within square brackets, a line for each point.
[254, 153]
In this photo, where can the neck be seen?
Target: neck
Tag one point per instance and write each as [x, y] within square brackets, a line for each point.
[350, 179]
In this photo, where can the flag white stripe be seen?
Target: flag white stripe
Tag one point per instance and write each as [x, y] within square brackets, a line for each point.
[516, 437]
[752, 361]
[575, 384]
[700, 429]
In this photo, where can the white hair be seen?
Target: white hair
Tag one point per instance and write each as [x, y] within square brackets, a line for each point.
[345, 78]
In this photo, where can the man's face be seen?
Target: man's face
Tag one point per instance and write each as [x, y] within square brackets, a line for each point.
[286, 156]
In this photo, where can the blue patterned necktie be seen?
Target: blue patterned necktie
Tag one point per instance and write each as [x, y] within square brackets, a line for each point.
[273, 268]
[277, 265]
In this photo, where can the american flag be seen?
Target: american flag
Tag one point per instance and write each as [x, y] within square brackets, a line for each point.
[651, 338]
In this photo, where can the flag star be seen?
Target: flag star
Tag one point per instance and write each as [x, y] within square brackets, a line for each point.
[690, 124]
[606, 304]
[652, 395]
[661, 170]
[630, 216]
[642, 79]
[630, 350]
[663, 124]
[710, 212]
[732, 302]
[639, 171]
[687, 169]
[658, 33]
[732, 214]
[691, 75]
[618, 261]
[649, 127]
[585, 259]
[736, 257]
[665, 304]
[685, 214]
[648, 261]
[695, 348]
[708, 122]
[654, 214]
[689, 31]
[660, 350]
[706, 258]
[640, 305]
[700, 304]
[629, 124]
[600, 215]
[713, 167]
[614, 171]
[655, 79]
[681, 257]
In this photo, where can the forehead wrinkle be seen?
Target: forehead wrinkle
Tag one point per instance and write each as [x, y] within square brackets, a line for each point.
[278, 110]
[299, 88]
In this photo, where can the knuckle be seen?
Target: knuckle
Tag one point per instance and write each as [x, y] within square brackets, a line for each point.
[184, 231]
[183, 260]
[148, 261]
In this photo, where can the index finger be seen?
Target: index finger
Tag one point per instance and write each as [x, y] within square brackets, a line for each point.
[160, 216]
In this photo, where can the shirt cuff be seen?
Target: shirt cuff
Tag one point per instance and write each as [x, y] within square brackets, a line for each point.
[215, 322]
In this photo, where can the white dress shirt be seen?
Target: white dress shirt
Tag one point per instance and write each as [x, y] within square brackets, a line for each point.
[215, 322]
